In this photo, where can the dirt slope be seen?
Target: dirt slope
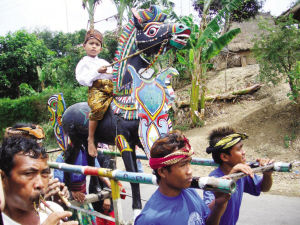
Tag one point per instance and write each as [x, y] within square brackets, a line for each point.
[268, 117]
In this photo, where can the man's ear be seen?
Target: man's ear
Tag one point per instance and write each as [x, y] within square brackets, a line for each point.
[162, 172]
[3, 178]
[224, 157]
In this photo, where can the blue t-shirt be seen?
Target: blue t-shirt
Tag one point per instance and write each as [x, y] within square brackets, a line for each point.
[75, 177]
[245, 184]
[185, 209]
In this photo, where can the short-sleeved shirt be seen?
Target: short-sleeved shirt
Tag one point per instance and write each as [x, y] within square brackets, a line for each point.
[187, 208]
[245, 184]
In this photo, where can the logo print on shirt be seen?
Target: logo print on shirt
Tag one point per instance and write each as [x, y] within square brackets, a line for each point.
[195, 219]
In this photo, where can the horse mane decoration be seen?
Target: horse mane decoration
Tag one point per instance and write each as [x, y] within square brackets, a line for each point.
[139, 111]
[145, 97]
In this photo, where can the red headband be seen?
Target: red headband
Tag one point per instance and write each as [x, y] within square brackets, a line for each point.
[172, 158]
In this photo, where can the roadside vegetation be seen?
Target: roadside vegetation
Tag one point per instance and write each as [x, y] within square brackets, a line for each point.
[36, 65]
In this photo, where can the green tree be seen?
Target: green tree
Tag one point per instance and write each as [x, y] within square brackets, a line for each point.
[60, 42]
[206, 42]
[277, 51]
[246, 10]
[21, 53]
[110, 43]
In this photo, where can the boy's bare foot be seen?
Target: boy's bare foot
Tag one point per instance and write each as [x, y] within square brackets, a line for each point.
[92, 148]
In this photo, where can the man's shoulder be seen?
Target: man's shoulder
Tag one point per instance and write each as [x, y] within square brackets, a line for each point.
[216, 173]
[190, 191]
[8, 221]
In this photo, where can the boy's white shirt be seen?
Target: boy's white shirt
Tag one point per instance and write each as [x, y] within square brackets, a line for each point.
[87, 70]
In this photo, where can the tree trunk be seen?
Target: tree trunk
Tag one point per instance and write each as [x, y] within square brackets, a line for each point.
[197, 76]
[291, 81]
[194, 101]
[91, 14]
[222, 97]
[203, 90]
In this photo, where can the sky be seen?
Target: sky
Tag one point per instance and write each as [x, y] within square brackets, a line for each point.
[69, 15]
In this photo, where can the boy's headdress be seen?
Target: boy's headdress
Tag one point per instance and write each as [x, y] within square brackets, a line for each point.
[93, 34]
[173, 157]
[34, 131]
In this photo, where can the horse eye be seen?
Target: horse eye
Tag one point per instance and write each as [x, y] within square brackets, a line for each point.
[152, 31]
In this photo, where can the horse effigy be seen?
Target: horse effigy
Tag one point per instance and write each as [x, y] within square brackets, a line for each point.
[138, 114]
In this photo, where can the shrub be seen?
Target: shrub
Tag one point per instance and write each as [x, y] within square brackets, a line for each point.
[34, 108]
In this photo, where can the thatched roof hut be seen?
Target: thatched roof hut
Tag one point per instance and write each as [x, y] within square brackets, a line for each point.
[249, 29]
[238, 52]
[295, 10]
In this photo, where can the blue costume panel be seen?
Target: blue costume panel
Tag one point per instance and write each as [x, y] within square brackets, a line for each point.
[187, 208]
[245, 184]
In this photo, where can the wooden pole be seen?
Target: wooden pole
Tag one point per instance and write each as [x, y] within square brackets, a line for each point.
[277, 166]
[225, 185]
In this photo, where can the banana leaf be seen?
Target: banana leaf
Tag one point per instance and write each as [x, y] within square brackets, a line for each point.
[191, 59]
[214, 26]
[217, 45]
[181, 59]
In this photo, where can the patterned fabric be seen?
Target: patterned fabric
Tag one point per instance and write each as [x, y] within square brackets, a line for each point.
[227, 142]
[99, 98]
[82, 218]
[122, 144]
[101, 221]
[124, 107]
[172, 158]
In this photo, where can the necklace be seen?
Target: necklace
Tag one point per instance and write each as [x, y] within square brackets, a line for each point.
[156, 56]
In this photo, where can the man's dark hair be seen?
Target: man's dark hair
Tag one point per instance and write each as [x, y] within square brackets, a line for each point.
[165, 145]
[214, 137]
[13, 145]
